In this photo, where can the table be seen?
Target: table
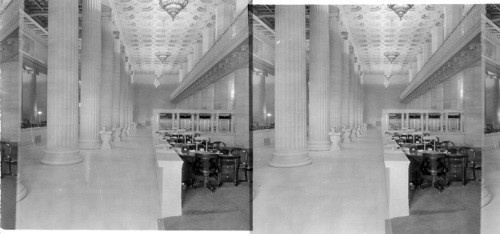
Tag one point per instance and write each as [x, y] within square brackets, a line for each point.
[229, 166]
[457, 165]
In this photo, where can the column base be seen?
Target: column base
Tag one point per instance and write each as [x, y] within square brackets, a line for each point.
[89, 144]
[59, 158]
[297, 159]
[319, 146]
[22, 191]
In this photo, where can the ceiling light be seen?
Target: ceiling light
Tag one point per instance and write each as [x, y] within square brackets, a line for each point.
[173, 7]
[391, 55]
[400, 9]
[162, 56]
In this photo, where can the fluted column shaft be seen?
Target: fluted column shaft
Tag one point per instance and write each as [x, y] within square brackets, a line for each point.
[345, 81]
[259, 98]
[290, 94]
[62, 85]
[355, 94]
[106, 69]
[90, 75]
[351, 85]
[116, 80]
[319, 73]
[123, 89]
[335, 90]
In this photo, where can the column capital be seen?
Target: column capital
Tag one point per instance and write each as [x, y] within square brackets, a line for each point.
[116, 34]
[334, 13]
[344, 35]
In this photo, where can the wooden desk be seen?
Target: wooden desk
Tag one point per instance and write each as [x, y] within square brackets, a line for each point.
[457, 167]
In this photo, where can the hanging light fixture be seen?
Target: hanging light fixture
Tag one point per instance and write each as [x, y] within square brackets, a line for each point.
[173, 7]
[391, 55]
[162, 56]
[158, 75]
[400, 9]
[387, 81]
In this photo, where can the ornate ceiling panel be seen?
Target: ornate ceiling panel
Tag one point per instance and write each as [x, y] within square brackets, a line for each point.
[376, 29]
[147, 29]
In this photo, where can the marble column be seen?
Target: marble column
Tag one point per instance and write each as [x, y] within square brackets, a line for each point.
[182, 73]
[62, 85]
[452, 16]
[208, 35]
[190, 62]
[319, 73]
[241, 107]
[290, 93]
[116, 80]
[259, 98]
[351, 85]
[122, 86]
[106, 69]
[426, 52]
[345, 80]
[90, 75]
[437, 34]
[223, 15]
[420, 61]
[335, 86]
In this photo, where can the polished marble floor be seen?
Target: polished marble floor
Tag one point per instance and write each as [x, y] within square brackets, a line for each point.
[340, 192]
[490, 214]
[111, 190]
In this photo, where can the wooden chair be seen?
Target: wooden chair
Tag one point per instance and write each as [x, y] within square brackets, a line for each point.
[246, 162]
[446, 145]
[9, 157]
[218, 145]
[207, 165]
[434, 170]
[471, 160]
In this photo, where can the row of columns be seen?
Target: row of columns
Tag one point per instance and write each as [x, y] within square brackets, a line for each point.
[335, 91]
[106, 90]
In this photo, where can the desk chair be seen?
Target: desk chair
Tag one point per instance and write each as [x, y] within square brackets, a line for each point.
[207, 165]
[472, 161]
[434, 170]
[246, 162]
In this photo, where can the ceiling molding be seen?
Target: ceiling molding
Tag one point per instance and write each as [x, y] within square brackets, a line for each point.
[375, 29]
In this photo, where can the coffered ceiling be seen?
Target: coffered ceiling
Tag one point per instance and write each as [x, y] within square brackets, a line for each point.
[375, 29]
[147, 29]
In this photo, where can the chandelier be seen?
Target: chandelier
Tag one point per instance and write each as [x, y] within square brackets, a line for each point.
[391, 55]
[387, 81]
[158, 75]
[400, 10]
[162, 56]
[173, 7]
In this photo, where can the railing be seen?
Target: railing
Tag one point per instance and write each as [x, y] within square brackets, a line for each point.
[9, 18]
[236, 33]
[463, 33]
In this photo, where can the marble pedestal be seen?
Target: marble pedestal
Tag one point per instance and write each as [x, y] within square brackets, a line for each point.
[106, 138]
[335, 139]
[116, 134]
